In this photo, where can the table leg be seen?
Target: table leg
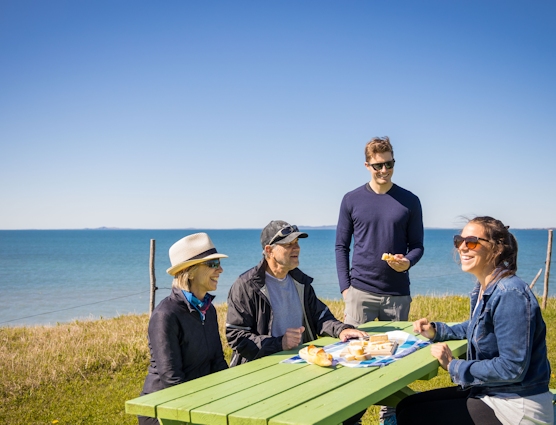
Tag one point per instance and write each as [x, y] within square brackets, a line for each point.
[395, 398]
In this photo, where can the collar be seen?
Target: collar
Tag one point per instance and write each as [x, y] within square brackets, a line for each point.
[201, 306]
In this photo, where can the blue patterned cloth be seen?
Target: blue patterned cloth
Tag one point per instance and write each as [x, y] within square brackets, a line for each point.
[407, 344]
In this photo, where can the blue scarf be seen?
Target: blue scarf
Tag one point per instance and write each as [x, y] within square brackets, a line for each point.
[201, 306]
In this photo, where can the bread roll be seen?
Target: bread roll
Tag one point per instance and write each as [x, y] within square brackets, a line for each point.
[316, 356]
[356, 350]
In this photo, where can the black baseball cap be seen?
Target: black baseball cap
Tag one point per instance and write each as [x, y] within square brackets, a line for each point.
[280, 232]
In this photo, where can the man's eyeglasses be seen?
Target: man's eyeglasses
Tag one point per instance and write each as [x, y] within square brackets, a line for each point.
[378, 166]
[213, 264]
[282, 233]
[470, 241]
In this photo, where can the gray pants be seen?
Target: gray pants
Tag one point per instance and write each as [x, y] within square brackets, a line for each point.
[363, 307]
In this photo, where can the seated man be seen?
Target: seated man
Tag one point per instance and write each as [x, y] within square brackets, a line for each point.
[273, 307]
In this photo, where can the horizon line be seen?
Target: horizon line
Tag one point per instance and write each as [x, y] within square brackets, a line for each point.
[321, 227]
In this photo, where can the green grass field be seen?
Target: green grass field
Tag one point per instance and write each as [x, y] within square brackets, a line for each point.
[83, 372]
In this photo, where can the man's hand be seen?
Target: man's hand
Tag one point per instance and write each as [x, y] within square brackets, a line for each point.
[423, 327]
[292, 338]
[400, 264]
[443, 353]
[350, 333]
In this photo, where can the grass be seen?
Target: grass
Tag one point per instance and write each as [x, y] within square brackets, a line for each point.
[83, 372]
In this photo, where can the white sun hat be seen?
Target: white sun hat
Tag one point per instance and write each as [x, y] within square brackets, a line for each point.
[191, 250]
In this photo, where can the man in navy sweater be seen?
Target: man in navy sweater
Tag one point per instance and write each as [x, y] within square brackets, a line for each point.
[381, 217]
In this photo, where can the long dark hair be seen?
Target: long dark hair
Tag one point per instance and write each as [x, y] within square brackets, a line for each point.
[504, 252]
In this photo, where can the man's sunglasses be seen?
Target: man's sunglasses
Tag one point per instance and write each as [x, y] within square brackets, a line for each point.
[213, 264]
[470, 241]
[282, 233]
[378, 166]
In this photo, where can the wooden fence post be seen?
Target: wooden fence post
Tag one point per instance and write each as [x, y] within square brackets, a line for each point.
[535, 279]
[547, 268]
[153, 277]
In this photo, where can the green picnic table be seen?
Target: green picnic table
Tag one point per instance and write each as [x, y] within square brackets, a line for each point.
[266, 391]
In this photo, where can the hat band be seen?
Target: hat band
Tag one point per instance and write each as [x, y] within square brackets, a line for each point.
[204, 254]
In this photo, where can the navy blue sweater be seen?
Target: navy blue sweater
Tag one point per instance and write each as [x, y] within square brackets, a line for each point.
[379, 223]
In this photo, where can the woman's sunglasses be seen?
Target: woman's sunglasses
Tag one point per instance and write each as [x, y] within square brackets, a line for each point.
[378, 166]
[213, 264]
[470, 241]
[283, 232]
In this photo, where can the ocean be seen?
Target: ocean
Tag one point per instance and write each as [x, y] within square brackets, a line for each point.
[56, 276]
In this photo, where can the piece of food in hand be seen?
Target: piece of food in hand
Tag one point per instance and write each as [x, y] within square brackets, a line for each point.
[388, 257]
[316, 356]
[378, 338]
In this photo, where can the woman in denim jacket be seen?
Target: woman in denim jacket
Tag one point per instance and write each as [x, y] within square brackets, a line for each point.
[505, 377]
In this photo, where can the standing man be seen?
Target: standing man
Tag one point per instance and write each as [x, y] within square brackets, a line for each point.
[273, 307]
[381, 217]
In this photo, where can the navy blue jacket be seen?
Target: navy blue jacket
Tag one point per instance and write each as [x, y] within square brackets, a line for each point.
[182, 346]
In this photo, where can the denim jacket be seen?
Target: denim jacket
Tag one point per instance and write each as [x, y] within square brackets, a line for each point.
[506, 350]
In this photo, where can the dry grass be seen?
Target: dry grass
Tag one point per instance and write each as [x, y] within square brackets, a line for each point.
[35, 356]
[70, 366]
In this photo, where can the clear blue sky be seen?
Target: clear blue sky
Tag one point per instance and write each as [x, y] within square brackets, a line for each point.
[214, 114]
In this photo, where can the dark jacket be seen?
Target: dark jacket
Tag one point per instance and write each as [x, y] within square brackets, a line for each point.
[182, 347]
[249, 320]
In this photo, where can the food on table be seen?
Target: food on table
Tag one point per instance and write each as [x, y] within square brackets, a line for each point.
[316, 356]
[378, 338]
[377, 345]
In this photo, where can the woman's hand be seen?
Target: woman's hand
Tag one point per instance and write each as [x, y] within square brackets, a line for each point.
[423, 327]
[443, 353]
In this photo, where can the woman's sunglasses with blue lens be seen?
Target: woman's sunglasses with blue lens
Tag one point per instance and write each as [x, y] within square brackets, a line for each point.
[213, 264]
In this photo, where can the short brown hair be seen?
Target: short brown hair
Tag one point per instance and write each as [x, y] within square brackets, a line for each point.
[378, 145]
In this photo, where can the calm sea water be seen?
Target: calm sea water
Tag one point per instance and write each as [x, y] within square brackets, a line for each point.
[50, 276]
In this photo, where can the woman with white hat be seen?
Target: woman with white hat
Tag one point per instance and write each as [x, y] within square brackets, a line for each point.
[184, 340]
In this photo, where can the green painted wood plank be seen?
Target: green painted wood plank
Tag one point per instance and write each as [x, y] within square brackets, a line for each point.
[180, 408]
[381, 327]
[272, 398]
[171, 422]
[336, 406]
[262, 411]
[398, 396]
[217, 412]
[146, 405]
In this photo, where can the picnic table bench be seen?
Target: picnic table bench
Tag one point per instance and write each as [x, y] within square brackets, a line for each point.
[266, 391]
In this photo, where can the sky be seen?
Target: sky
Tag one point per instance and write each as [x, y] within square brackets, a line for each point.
[229, 114]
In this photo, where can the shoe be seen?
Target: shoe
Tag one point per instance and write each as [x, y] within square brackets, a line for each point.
[389, 420]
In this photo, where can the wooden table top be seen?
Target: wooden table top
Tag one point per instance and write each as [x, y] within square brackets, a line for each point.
[266, 391]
